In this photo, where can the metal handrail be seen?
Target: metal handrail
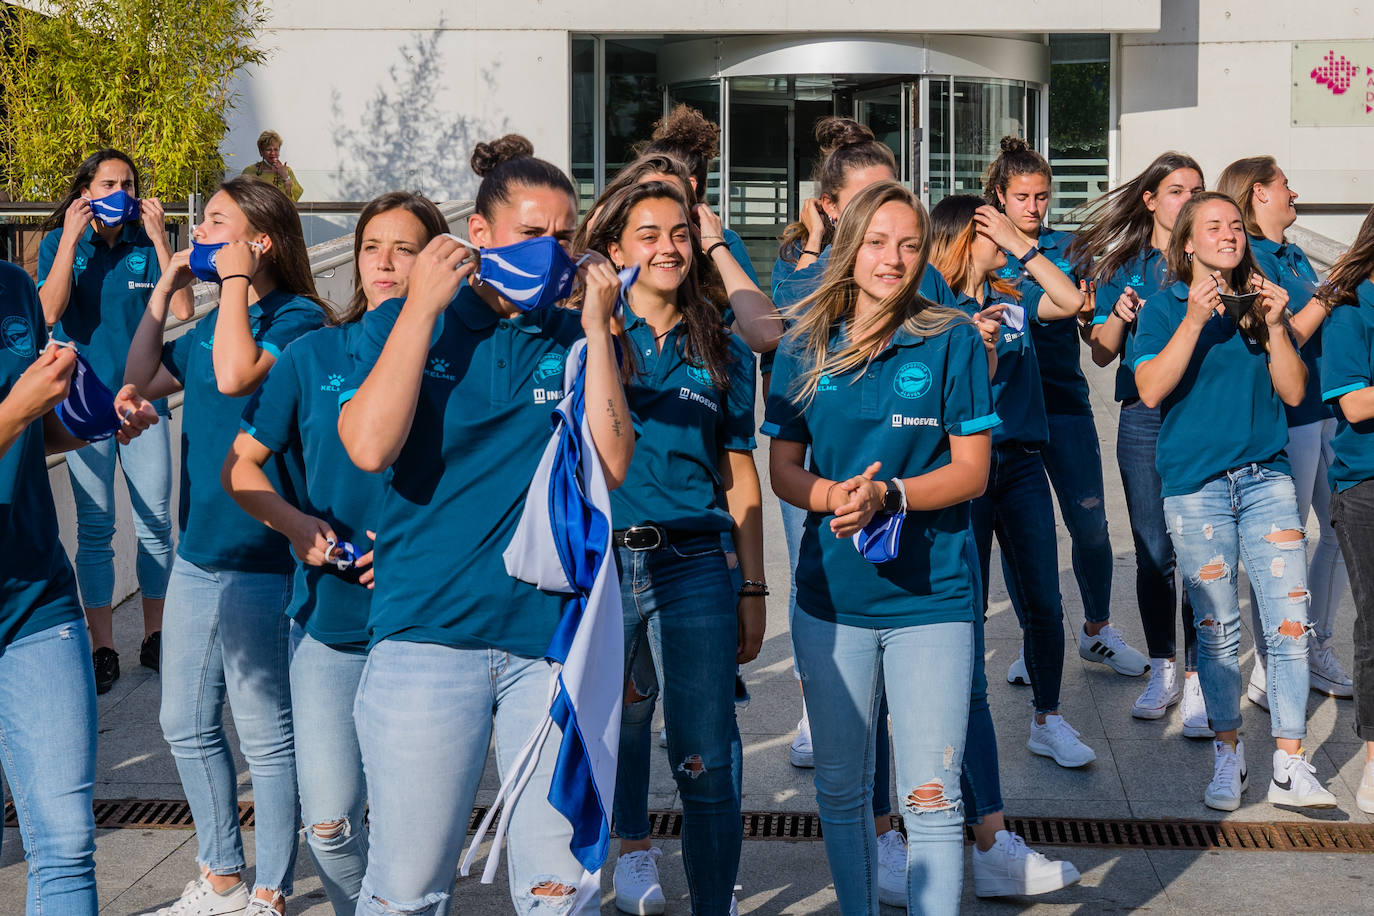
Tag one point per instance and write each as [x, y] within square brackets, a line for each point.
[326, 256]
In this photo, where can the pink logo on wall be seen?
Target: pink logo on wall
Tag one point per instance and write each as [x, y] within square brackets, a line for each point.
[1335, 73]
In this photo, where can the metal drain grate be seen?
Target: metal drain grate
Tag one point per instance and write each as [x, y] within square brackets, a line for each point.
[1121, 833]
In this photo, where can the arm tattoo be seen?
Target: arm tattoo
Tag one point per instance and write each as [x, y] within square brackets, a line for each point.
[615, 418]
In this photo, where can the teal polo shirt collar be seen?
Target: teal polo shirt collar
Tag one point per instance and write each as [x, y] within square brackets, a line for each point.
[474, 312]
[128, 235]
[1278, 249]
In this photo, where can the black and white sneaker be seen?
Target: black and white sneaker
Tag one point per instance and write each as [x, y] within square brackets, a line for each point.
[1229, 777]
[1108, 648]
[1295, 783]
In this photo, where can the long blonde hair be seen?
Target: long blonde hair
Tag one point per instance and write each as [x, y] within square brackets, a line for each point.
[818, 316]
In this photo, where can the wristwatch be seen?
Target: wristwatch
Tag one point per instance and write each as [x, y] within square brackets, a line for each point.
[892, 498]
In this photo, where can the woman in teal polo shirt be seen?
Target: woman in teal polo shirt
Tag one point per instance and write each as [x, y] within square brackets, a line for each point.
[891, 394]
[296, 411]
[1228, 491]
[226, 634]
[96, 270]
[1347, 365]
[690, 388]
[451, 398]
[1121, 243]
[47, 691]
[1266, 203]
[1018, 183]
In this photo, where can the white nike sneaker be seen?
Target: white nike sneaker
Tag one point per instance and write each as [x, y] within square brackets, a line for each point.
[1193, 710]
[1229, 777]
[1017, 673]
[1295, 783]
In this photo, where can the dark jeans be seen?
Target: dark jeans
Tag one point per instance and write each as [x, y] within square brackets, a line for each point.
[1352, 515]
[979, 781]
[1017, 508]
[1136, 437]
[1074, 462]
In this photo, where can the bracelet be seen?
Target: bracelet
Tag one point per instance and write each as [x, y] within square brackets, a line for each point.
[1030, 255]
[814, 254]
[743, 593]
[236, 277]
[711, 250]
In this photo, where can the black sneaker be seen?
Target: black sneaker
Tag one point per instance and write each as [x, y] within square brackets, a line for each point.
[150, 653]
[106, 663]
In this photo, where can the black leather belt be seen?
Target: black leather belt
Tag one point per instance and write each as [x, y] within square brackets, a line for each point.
[650, 537]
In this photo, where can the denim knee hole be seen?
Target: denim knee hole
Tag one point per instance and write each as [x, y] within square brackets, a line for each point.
[329, 834]
[692, 767]
[551, 893]
[1285, 538]
[428, 904]
[930, 797]
[1214, 570]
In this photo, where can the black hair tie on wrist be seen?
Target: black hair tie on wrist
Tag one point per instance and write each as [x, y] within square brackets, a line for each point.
[814, 254]
[710, 251]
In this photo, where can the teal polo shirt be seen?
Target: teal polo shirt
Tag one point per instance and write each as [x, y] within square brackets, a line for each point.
[1057, 344]
[111, 287]
[740, 253]
[37, 587]
[1224, 413]
[1347, 364]
[296, 412]
[900, 409]
[1147, 274]
[1016, 390]
[215, 532]
[1287, 264]
[685, 424]
[791, 286]
[456, 491]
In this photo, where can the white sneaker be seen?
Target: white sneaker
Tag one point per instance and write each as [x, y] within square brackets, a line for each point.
[1364, 795]
[801, 753]
[1058, 739]
[1229, 777]
[892, 869]
[663, 738]
[636, 883]
[1017, 673]
[200, 899]
[734, 905]
[1325, 674]
[1258, 688]
[1012, 869]
[1295, 783]
[1108, 648]
[257, 906]
[1193, 709]
[1160, 693]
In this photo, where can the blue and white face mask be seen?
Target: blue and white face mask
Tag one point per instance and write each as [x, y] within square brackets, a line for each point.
[532, 274]
[88, 411]
[878, 540]
[115, 209]
[202, 262]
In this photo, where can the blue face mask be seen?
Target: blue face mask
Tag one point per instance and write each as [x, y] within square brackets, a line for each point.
[115, 209]
[202, 262]
[532, 274]
[88, 411]
[877, 542]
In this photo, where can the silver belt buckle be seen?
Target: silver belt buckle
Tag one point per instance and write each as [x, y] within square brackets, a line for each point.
[633, 534]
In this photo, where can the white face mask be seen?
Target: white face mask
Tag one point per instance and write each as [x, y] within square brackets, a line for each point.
[1014, 317]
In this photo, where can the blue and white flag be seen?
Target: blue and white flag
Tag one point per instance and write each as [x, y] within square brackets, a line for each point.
[563, 544]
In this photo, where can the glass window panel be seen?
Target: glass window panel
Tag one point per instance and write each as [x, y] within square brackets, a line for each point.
[1079, 112]
[985, 111]
[633, 98]
[938, 140]
[705, 98]
[583, 106]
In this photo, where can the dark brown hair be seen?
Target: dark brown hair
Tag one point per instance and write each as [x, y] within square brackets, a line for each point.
[1016, 158]
[510, 161]
[633, 174]
[1117, 226]
[1352, 268]
[418, 206]
[846, 145]
[1181, 263]
[271, 212]
[952, 231]
[81, 181]
[706, 342]
[686, 135]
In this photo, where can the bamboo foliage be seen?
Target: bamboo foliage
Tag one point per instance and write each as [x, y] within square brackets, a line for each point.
[149, 77]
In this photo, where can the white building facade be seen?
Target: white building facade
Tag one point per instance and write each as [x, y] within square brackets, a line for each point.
[371, 97]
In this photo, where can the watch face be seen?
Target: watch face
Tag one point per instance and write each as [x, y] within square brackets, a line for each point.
[892, 500]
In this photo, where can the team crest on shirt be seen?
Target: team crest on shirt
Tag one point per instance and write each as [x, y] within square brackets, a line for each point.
[333, 383]
[1008, 272]
[550, 366]
[912, 381]
[700, 374]
[1063, 264]
[138, 262]
[18, 335]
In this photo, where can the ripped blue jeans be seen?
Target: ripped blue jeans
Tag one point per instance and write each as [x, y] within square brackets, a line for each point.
[1248, 515]
[926, 671]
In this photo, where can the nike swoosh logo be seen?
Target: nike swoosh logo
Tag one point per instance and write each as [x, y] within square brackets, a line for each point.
[1286, 785]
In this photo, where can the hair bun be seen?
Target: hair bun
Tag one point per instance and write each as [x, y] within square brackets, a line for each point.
[1014, 145]
[487, 156]
[834, 132]
[686, 128]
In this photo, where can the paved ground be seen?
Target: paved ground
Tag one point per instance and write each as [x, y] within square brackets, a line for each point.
[1143, 770]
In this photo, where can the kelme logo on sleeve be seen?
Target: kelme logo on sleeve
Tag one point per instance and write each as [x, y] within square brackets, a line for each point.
[550, 366]
[18, 335]
[333, 383]
[825, 383]
[912, 381]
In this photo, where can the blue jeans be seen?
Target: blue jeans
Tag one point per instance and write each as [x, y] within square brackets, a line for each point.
[225, 635]
[926, 672]
[1016, 507]
[329, 765]
[679, 603]
[1137, 435]
[1074, 463]
[980, 781]
[1242, 517]
[426, 715]
[47, 750]
[793, 519]
[147, 464]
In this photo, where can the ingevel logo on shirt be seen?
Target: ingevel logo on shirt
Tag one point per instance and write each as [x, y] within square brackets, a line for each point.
[334, 382]
[686, 394]
[912, 381]
[547, 395]
[135, 284]
[438, 368]
[900, 420]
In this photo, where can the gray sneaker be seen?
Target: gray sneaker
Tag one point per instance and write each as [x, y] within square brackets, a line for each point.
[1325, 674]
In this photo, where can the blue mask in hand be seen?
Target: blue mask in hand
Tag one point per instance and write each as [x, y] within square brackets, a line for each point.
[203, 261]
[532, 274]
[115, 209]
[342, 554]
[88, 411]
[877, 542]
